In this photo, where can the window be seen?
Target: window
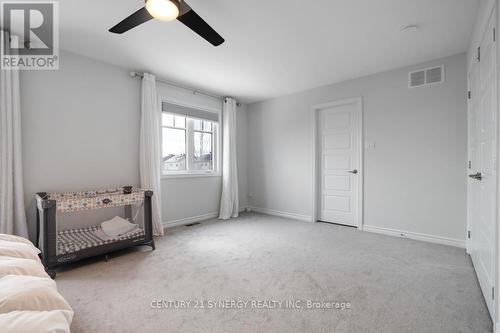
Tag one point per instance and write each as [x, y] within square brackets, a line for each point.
[189, 141]
[174, 142]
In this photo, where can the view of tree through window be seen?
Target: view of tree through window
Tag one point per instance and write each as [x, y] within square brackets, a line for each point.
[187, 144]
[202, 145]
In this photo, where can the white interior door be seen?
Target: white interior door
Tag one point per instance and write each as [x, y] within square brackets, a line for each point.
[482, 167]
[339, 154]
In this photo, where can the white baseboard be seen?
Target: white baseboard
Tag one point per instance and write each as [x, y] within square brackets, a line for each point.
[415, 236]
[193, 219]
[292, 216]
[188, 220]
[307, 218]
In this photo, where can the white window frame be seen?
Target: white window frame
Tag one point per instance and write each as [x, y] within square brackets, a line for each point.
[216, 145]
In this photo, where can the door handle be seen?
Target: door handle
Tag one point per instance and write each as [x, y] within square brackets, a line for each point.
[476, 176]
[353, 171]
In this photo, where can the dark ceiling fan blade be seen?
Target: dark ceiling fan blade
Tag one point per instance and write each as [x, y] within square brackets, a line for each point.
[194, 22]
[139, 17]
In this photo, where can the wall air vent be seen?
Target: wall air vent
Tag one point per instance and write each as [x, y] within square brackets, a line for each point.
[417, 79]
[426, 76]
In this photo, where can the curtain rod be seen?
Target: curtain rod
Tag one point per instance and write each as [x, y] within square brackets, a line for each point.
[141, 75]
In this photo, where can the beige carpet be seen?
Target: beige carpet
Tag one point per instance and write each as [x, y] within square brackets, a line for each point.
[392, 284]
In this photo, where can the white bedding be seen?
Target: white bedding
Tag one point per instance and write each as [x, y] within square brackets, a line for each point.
[15, 239]
[18, 250]
[21, 266]
[57, 321]
[29, 300]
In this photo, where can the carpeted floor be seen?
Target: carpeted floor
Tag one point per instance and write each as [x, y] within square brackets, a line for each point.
[392, 284]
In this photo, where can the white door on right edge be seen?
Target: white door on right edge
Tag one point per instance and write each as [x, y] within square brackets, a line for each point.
[339, 139]
[482, 169]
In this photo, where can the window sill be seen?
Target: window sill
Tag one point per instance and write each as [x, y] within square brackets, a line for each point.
[191, 175]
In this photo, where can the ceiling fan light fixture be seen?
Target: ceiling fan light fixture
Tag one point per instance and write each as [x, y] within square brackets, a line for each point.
[164, 10]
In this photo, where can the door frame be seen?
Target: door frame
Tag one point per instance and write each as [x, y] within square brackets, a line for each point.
[467, 170]
[315, 154]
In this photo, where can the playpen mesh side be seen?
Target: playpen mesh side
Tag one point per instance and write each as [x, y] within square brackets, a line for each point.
[73, 240]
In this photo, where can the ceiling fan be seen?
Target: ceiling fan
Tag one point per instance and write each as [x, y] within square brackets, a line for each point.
[169, 10]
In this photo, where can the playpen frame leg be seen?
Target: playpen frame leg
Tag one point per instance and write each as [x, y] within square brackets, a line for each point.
[52, 273]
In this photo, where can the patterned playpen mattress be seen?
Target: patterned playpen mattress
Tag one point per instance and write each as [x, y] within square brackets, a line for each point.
[74, 240]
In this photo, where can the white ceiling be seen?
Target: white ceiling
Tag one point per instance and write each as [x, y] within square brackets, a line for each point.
[272, 47]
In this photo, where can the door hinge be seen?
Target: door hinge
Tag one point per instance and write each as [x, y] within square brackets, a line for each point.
[470, 164]
[493, 293]
[494, 34]
[479, 54]
[468, 94]
[468, 234]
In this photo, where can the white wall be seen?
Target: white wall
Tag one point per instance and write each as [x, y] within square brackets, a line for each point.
[81, 131]
[80, 126]
[415, 177]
